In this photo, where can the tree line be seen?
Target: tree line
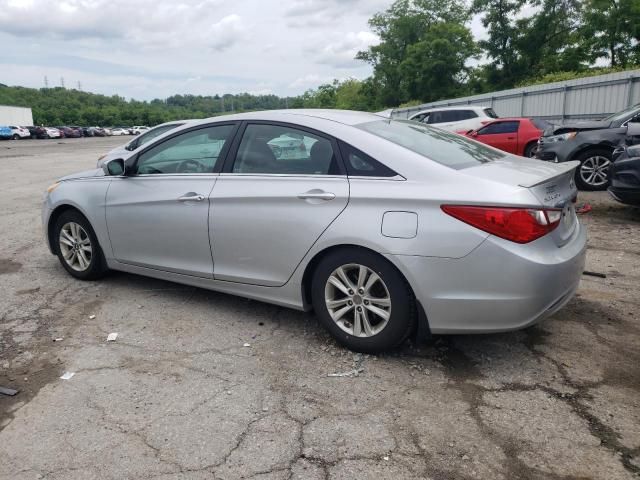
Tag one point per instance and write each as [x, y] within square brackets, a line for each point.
[426, 52]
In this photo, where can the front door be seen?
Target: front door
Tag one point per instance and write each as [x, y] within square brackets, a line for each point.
[282, 190]
[158, 216]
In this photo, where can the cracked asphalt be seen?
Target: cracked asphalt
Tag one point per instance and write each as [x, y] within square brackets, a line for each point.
[179, 396]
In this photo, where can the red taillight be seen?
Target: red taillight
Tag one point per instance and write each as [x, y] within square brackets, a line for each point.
[520, 225]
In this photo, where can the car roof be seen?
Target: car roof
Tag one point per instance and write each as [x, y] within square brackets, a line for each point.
[461, 107]
[346, 117]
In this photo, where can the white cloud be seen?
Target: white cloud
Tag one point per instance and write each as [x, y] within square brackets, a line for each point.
[148, 23]
[341, 54]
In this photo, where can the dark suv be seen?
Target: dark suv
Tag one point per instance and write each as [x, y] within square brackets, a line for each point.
[591, 143]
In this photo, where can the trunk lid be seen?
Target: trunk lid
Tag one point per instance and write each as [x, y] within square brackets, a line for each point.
[552, 184]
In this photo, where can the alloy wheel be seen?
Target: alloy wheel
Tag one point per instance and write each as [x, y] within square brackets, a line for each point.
[594, 170]
[358, 300]
[75, 246]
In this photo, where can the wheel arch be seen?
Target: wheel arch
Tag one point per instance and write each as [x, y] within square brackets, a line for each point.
[53, 218]
[594, 146]
[422, 330]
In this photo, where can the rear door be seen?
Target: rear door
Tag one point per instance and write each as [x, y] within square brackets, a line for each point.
[280, 189]
[500, 134]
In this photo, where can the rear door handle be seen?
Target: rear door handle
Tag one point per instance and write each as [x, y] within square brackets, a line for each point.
[317, 195]
[191, 197]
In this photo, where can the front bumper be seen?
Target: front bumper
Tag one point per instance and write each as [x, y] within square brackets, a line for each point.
[500, 286]
[556, 151]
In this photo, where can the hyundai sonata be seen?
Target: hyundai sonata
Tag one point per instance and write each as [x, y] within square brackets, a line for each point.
[381, 226]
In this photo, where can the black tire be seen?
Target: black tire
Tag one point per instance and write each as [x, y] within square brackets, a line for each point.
[588, 157]
[403, 316]
[97, 266]
[16, 136]
[530, 149]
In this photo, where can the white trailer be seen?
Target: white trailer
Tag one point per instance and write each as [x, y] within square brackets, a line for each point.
[15, 116]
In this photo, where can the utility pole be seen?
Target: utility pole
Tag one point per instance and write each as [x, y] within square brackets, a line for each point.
[79, 86]
[222, 103]
[46, 82]
[62, 82]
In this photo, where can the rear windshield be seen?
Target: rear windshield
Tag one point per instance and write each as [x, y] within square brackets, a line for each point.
[490, 113]
[446, 148]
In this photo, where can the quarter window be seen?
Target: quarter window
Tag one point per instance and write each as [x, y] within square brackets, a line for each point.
[359, 164]
[276, 149]
[196, 151]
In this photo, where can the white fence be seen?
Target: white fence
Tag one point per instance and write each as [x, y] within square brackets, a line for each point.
[584, 98]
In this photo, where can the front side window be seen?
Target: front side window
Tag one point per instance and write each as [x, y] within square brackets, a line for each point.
[196, 151]
[446, 148]
[499, 127]
[276, 149]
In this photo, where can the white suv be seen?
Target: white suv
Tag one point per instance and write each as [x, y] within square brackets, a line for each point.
[455, 119]
[19, 132]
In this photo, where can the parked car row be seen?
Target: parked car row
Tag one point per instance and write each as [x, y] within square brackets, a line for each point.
[592, 143]
[12, 132]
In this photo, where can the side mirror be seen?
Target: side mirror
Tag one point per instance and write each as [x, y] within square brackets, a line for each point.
[633, 129]
[114, 168]
[473, 133]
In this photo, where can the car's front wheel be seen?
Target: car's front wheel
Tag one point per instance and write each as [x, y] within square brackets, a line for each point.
[593, 172]
[77, 246]
[363, 300]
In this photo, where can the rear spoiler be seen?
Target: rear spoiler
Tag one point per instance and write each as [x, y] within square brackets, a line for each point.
[562, 168]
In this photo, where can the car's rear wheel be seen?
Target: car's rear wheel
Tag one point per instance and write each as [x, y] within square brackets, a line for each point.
[16, 136]
[77, 246]
[593, 172]
[364, 302]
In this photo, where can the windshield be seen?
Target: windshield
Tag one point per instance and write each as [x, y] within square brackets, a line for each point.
[446, 148]
[627, 112]
[490, 113]
[150, 135]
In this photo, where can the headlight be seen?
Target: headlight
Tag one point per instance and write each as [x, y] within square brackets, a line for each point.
[52, 187]
[560, 138]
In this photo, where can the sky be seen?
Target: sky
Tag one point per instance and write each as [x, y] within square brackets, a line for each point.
[147, 49]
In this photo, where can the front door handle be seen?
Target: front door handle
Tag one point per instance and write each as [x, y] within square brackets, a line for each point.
[191, 197]
[317, 195]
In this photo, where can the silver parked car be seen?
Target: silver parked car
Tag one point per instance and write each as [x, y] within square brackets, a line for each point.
[381, 226]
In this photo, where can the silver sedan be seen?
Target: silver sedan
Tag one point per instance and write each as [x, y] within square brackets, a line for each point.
[383, 227]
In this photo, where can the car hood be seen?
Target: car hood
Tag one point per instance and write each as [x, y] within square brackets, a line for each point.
[576, 127]
[96, 172]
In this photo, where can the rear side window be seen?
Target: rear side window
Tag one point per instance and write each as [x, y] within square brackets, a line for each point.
[499, 127]
[359, 164]
[490, 113]
[466, 114]
[446, 148]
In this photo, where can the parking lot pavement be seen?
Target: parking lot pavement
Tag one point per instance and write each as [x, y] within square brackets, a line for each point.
[179, 396]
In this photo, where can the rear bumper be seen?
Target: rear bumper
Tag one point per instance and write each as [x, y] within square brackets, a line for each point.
[500, 286]
[626, 195]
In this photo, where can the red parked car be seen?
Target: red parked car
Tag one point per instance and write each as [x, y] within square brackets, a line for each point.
[514, 135]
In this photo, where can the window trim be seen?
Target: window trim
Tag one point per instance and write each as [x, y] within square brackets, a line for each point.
[227, 168]
[132, 162]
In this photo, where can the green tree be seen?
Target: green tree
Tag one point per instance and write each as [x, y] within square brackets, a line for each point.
[402, 25]
[611, 30]
[435, 67]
